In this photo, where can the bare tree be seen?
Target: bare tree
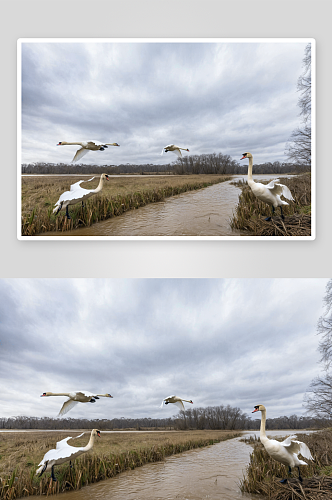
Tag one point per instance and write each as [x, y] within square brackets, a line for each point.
[298, 147]
[318, 398]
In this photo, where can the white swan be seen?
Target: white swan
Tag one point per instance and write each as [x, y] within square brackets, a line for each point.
[269, 193]
[86, 147]
[174, 149]
[64, 452]
[77, 194]
[285, 452]
[177, 401]
[74, 398]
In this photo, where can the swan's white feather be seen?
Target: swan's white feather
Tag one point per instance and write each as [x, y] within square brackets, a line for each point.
[80, 153]
[67, 405]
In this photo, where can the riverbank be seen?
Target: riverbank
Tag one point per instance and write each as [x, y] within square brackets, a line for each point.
[120, 194]
[112, 454]
[263, 474]
[250, 211]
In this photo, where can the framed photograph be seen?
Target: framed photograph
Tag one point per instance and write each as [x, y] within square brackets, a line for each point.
[166, 139]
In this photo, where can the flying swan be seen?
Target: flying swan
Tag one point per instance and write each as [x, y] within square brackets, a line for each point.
[74, 398]
[174, 149]
[86, 147]
[177, 401]
[77, 194]
[64, 452]
[269, 193]
[285, 452]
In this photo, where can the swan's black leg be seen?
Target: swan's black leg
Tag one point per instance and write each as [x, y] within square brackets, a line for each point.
[52, 473]
[67, 213]
[283, 481]
[83, 204]
[269, 218]
[300, 478]
[282, 215]
[70, 464]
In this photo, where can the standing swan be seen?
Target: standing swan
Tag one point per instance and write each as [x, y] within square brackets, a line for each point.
[77, 194]
[74, 398]
[64, 452]
[174, 149]
[285, 452]
[269, 193]
[86, 147]
[177, 401]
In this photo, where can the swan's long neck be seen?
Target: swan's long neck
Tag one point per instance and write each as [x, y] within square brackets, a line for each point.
[262, 433]
[250, 179]
[100, 185]
[90, 443]
[72, 143]
[58, 394]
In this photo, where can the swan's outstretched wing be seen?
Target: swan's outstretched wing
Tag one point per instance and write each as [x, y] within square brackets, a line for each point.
[297, 447]
[78, 184]
[180, 405]
[79, 154]
[279, 189]
[67, 405]
[63, 442]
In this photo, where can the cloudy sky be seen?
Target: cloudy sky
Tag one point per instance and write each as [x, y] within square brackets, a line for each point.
[208, 97]
[215, 341]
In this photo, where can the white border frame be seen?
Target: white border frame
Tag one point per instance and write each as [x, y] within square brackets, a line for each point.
[168, 40]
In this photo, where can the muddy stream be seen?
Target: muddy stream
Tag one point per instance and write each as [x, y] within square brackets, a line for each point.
[212, 473]
[206, 212]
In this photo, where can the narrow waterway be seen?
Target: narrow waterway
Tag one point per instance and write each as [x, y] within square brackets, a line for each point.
[211, 473]
[206, 212]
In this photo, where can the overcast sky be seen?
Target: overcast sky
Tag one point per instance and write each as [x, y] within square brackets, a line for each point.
[208, 97]
[215, 341]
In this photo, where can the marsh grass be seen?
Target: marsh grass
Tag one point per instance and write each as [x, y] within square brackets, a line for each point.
[250, 211]
[112, 454]
[39, 194]
[263, 474]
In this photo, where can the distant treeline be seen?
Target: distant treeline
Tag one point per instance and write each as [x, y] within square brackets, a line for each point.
[216, 417]
[190, 164]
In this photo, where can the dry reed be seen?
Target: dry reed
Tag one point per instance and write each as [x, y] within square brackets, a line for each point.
[250, 211]
[263, 474]
[109, 457]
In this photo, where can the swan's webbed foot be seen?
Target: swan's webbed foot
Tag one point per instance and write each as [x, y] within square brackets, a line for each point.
[52, 474]
[92, 401]
[166, 402]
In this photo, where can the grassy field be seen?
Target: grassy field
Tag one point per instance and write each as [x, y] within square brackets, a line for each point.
[39, 194]
[250, 211]
[263, 474]
[20, 453]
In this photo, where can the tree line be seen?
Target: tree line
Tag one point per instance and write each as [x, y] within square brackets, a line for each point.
[213, 163]
[215, 418]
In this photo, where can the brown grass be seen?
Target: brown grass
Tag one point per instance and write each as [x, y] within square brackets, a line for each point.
[120, 194]
[250, 212]
[113, 453]
[263, 474]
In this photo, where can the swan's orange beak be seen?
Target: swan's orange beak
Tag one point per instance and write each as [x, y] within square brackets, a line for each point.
[59, 144]
[98, 434]
[106, 177]
[256, 409]
[243, 157]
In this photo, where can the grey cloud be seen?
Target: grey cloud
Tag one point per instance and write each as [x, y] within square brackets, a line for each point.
[206, 96]
[214, 341]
